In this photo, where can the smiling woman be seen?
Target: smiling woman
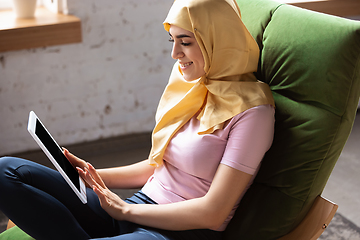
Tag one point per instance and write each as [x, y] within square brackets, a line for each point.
[187, 51]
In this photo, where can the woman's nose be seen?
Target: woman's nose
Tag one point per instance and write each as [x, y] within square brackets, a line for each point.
[176, 52]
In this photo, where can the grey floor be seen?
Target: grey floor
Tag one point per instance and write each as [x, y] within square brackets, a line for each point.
[342, 187]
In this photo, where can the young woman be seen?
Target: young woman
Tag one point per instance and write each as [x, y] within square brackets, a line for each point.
[214, 123]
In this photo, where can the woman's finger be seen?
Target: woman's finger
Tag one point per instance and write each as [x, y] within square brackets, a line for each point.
[100, 195]
[95, 175]
[83, 176]
[75, 161]
[86, 175]
[110, 202]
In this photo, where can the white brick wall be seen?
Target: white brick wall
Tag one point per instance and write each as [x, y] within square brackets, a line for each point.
[108, 85]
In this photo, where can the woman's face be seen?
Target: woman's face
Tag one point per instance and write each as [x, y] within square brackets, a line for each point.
[187, 51]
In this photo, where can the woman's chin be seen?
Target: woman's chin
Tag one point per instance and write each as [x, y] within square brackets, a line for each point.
[190, 78]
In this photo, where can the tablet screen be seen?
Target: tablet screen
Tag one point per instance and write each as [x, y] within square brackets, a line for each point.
[58, 155]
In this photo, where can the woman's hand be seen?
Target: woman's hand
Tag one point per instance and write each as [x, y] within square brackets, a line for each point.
[109, 201]
[75, 161]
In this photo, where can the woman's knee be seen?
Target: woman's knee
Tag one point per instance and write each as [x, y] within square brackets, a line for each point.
[10, 162]
[5, 163]
[6, 170]
[8, 167]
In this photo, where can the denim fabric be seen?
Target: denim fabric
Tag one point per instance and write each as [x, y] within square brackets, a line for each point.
[41, 203]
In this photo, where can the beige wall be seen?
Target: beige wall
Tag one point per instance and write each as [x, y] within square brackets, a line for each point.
[106, 86]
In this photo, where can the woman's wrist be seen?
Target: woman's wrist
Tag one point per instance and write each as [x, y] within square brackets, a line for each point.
[126, 211]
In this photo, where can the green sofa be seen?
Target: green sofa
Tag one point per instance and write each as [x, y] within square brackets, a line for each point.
[312, 63]
[15, 233]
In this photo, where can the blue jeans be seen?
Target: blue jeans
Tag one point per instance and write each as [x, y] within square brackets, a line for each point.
[41, 203]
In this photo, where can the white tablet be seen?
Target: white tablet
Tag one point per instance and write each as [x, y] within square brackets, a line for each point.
[56, 156]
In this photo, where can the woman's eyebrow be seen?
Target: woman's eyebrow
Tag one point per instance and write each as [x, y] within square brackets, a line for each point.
[181, 36]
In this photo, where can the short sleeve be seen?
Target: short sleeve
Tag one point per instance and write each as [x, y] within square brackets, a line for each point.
[250, 137]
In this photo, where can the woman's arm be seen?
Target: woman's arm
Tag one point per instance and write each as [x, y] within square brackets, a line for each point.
[132, 176]
[207, 212]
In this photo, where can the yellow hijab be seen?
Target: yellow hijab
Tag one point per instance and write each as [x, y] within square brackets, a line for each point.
[228, 87]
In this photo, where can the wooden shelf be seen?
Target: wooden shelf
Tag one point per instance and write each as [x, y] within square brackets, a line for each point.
[341, 8]
[46, 29]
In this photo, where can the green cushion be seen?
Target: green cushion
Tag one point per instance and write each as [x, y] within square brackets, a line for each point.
[14, 233]
[312, 63]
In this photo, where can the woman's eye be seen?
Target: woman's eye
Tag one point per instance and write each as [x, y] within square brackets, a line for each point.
[182, 43]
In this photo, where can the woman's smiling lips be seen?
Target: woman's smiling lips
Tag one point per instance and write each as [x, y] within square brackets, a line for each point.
[185, 65]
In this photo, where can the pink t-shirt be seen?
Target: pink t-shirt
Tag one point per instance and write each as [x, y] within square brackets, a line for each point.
[191, 160]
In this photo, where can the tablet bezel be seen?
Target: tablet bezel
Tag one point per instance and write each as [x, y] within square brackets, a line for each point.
[32, 130]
